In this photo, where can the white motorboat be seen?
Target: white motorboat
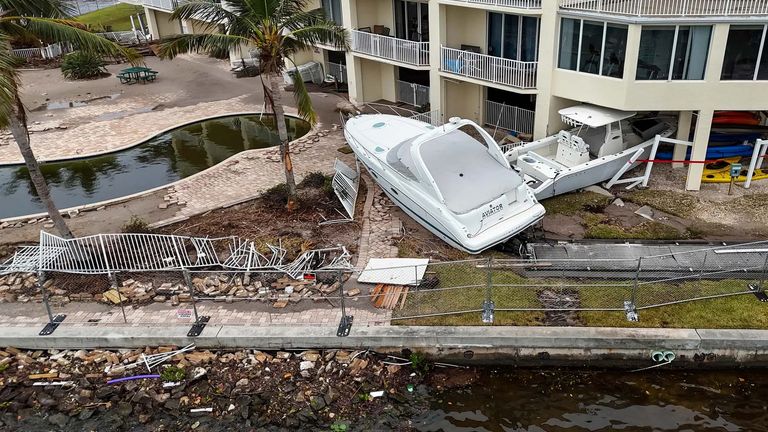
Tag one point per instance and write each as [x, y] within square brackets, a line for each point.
[601, 143]
[459, 187]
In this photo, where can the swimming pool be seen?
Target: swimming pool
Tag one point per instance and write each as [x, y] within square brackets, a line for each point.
[161, 160]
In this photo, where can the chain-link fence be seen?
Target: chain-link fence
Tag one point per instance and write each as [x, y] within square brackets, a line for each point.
[468, 292]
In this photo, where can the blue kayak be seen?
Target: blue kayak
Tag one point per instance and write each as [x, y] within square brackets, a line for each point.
[717, 152]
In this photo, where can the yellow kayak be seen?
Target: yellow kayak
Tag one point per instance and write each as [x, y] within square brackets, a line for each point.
[720, 172]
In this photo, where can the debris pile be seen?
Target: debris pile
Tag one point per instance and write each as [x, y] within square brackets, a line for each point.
[213, 390]
[229, 288]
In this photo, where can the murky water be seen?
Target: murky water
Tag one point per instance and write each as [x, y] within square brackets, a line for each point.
[556, 400]
[159, 161]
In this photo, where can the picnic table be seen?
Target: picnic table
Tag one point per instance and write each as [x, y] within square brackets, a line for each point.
[136, 74]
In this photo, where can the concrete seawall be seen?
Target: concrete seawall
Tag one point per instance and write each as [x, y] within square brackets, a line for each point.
[575, 346]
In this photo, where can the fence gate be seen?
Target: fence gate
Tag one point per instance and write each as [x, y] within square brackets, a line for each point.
[412, 93]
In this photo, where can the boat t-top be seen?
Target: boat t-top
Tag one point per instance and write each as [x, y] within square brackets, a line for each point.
[598, 146]
[452, 179]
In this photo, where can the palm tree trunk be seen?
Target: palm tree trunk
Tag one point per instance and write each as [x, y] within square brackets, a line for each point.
[282, 132]
[18, 126]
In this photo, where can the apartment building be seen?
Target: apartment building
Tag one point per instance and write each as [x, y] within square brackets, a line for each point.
[515, 63]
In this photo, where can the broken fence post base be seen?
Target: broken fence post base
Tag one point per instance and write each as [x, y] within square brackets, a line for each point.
[758, 292]
[488, 308]
[631, 311]
[53, 325]
[345, 325]
[199, 326]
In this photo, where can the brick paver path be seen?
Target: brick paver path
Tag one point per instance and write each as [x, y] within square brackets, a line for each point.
[165, 315]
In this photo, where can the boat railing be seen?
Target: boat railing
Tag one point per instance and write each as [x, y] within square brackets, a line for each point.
[433, 117]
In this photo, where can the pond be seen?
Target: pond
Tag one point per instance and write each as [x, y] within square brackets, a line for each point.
[161, 160]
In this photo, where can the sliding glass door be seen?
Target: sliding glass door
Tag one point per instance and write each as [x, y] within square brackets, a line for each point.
[512, 36]
[412, 20]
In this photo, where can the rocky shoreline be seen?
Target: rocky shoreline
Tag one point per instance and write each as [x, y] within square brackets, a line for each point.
[210, 390]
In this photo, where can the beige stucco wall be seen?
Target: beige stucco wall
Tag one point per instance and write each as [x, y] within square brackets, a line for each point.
[165, 27]
[200, 27]
[378, 82]
[465, 26]
[375, 12]
[462, 100]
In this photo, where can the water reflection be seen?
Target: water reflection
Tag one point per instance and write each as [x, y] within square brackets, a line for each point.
[161, 160]
[530, 400]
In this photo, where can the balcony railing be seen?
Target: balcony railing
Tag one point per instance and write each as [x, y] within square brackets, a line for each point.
[168, 5]
[509, 117]
[519, 4]
[412, 93]
[387, 47]
[483, 67]
[670, 8]
[338, 71]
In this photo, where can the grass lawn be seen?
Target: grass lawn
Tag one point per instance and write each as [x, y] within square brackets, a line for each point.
[116, 16]
[461, 287]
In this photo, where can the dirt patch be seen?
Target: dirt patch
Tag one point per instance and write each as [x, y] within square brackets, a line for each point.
[265, 221]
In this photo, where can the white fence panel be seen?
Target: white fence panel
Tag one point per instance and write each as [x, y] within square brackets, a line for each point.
[509, 117]
[519, 4]
[498, 70]
[412, 93]
[339, 71]
[387, 47]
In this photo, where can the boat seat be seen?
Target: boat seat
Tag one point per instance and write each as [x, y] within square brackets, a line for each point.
[571, 150]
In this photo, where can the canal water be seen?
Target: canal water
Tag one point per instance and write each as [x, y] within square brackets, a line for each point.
[158, 161]
[566, 400]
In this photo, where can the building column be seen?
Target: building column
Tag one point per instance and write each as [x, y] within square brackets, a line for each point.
[699, 151]
[436, 39]
[149, 15]
[548, 44]
[683, 134]
[354, 77]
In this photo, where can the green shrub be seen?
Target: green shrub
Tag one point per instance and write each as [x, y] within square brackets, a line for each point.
[419, 363]
[173, 374]
[276, 196]
[83, 65]
[314, 179]
[137, 226]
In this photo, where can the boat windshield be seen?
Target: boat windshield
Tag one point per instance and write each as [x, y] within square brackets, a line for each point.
[400, 158]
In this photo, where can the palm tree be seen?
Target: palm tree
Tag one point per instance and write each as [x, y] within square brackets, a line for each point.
[36, 20]
[278, 29]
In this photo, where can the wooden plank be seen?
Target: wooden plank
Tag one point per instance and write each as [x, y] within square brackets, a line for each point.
[382, 295]
[44, 376]
[396, 296]
[402, 299]
[376, 293]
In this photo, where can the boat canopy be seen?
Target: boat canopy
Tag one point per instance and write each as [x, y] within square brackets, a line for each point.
[592, 115]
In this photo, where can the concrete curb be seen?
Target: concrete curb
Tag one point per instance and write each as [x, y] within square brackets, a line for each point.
[596, 346]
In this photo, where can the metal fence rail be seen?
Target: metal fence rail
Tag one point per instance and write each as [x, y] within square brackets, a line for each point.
[483, 67]
[390, 48]
[338, 71]
[470, 292]
[509, 117]
[670, 7]
[412, 93]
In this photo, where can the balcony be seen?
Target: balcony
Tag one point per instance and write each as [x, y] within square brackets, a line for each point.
[487, 68]
[167, 5]
[509, 117]
[517, 4]
[390, 48]
[669, 8]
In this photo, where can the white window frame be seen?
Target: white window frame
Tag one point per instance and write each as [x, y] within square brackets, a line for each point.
[674, 50]
[419, 4]
[519, 34]
[581, 38]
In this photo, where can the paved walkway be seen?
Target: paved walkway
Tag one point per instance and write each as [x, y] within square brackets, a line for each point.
[380, 226]
[161, 315]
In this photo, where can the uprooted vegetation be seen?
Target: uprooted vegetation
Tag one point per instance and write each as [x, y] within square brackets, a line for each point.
[265, 220]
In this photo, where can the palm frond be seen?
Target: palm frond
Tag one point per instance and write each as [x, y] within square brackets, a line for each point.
[208, 13]
[182, 44]
[321, 32]
[62, 30]
[8, 81]
[38, 8]
[301, 95]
